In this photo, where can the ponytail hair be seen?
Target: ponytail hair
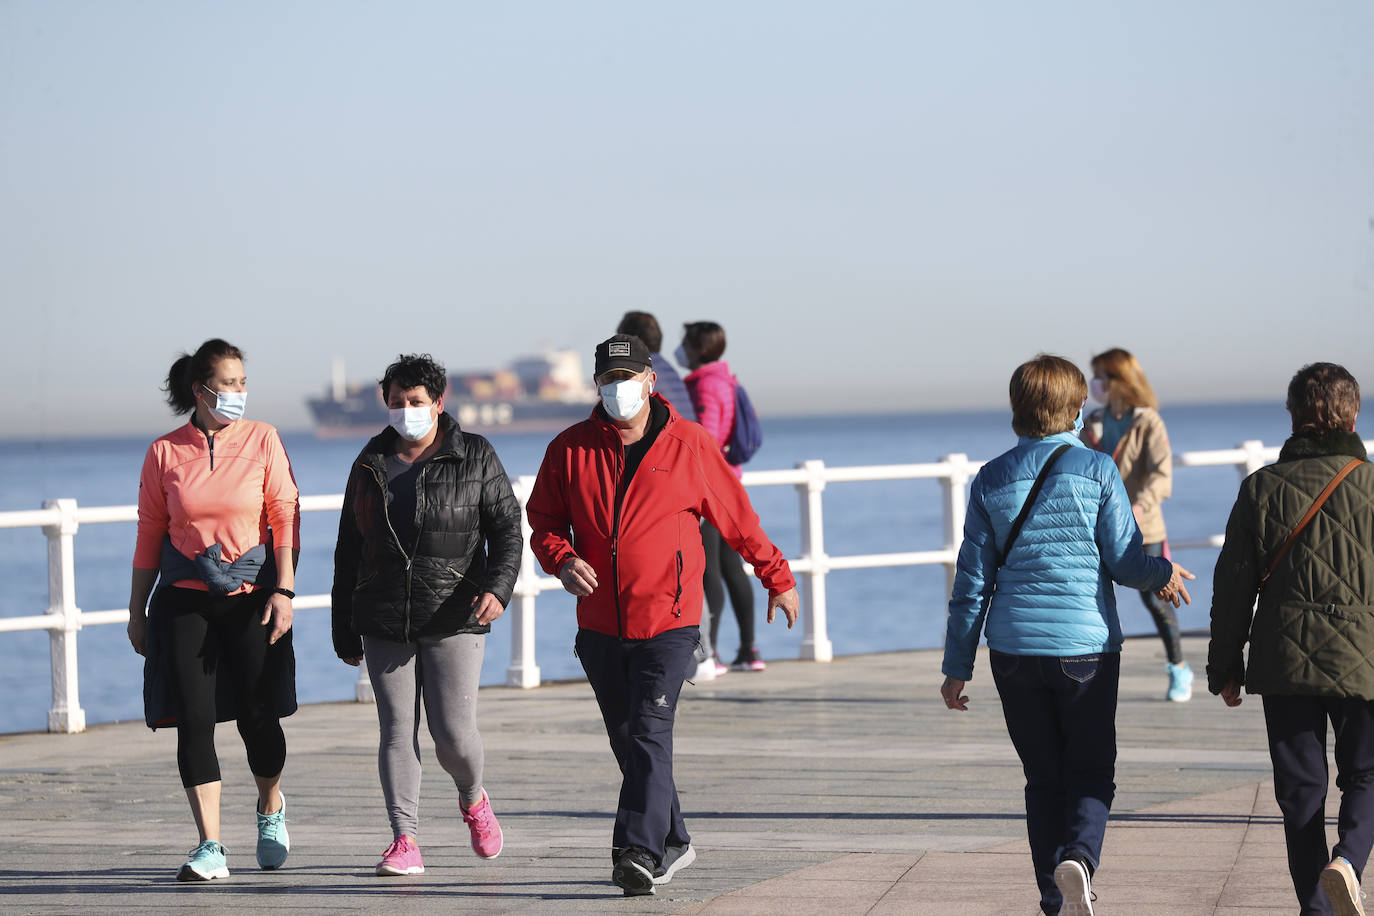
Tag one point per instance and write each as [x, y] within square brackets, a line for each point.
[192, 369]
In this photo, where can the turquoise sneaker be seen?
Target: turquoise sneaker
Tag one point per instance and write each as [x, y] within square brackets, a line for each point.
[206, 861]
[1180, 683]
[273, 841]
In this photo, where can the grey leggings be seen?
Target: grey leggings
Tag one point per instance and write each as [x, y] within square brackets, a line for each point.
[444, 671]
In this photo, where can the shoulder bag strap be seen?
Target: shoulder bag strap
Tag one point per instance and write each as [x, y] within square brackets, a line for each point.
[1321, 499]
[1030, 500]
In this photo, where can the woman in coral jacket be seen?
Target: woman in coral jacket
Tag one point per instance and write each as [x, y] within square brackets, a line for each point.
[712, 390]
[1129, 428]
[219, 524]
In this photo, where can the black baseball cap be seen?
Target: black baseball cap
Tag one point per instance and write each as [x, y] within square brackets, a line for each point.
[623, 351]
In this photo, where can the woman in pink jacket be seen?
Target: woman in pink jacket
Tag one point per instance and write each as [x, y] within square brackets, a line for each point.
[712, 390]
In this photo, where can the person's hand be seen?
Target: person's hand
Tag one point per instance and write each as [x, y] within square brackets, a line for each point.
[138, 632]
[1176, 590]
[355, 661]
[277, 612]
[488, 607]
[1230, 694]
[577, 576]
[1138, 512]
[789, 601]
[952, 690]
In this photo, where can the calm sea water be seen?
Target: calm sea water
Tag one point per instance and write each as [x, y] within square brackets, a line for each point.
[870, 610]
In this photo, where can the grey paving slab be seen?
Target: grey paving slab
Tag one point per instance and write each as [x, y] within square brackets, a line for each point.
[811, 788]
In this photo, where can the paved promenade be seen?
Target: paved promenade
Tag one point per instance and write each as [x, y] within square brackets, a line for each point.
[836, 789]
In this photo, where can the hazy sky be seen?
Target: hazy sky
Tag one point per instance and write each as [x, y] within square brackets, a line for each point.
[886, 204]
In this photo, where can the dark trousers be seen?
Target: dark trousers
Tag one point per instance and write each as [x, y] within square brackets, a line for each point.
[722, 563]
[1165, 617]
[1297, 746]
[202, 632]
[1061, 714]
[637, 683]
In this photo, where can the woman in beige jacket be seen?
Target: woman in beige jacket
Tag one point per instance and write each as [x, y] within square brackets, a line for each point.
[1129, 428]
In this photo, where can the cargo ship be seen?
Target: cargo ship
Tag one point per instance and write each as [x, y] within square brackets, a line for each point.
[542, 393]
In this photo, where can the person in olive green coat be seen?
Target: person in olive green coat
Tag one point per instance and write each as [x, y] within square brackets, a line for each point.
[1129, 428]
[1311, 634]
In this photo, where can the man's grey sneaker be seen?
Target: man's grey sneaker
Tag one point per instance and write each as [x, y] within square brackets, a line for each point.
[207, 861]
[675, 858]
[1071, 877]
[273, 841]
[634, 872]
[1341, 885]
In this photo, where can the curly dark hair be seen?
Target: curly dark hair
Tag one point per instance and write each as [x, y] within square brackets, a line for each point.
[413, 369]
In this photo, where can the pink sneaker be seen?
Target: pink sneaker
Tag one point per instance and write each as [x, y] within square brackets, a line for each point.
[486, 833]
[402, 857]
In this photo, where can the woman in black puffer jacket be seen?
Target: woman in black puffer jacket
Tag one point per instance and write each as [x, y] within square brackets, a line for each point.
[428, 552]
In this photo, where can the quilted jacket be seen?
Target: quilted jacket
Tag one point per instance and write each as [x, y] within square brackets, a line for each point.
[1053, 595]
[468, 541]
[1312, 631]
[1146, 464]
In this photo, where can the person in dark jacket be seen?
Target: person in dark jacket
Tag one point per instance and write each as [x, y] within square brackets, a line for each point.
[427, 557]
[1045, 598]
[615, 513]
[669, 384]
[1311, 634]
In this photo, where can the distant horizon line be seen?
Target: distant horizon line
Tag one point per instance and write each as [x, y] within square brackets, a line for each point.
[782, 416]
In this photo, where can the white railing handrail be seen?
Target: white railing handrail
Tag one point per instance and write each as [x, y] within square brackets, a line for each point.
[61, 518]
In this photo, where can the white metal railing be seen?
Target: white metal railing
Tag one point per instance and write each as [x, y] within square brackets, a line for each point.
[60, 520]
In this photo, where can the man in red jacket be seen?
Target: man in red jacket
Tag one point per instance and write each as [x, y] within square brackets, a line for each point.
[615, 513]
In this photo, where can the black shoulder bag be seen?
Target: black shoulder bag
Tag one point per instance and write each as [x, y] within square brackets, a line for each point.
[1030, 501]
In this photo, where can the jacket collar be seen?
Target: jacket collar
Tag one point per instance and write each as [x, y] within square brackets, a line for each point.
[1067, 437]
[1318, 445]
[717, 367]
[384, 443]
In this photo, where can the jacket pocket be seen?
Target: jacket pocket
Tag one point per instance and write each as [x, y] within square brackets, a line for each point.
[1080, 668]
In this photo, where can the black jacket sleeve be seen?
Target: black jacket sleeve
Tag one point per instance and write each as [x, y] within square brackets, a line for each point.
[500, 523]
[347, 553]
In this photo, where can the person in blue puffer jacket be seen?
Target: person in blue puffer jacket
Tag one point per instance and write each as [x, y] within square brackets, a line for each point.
[1047, 604]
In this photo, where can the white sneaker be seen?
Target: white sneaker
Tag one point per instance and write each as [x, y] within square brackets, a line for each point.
[1073, 882]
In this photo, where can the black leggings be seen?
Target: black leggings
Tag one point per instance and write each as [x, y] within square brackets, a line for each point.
[201, 630]
[723, 563]
[1166, 618]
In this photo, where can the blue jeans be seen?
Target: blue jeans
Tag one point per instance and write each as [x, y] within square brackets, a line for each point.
[1061, 715]
[1297, 746]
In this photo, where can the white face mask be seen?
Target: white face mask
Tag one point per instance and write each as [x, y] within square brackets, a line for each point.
[623, 400]
[229, 405]
[413, 423]
[1097, 390]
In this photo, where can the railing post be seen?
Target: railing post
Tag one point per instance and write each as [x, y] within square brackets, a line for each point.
[954, 488]
[362, 690]
[1254, 456]
[523, 670]
[66, 714]
[815, 640]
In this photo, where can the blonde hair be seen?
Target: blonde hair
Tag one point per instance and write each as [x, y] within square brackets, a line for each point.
[1046, 395]
[1129, 386]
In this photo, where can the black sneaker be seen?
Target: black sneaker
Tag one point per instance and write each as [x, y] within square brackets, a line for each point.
[748, 660]
[1074, 880]
[675, 858]
[634, 872]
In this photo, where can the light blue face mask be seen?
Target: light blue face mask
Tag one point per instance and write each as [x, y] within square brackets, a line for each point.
[1078, 422]
[229, 405]
[413, 423]
[680, 356]
[623, 400]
